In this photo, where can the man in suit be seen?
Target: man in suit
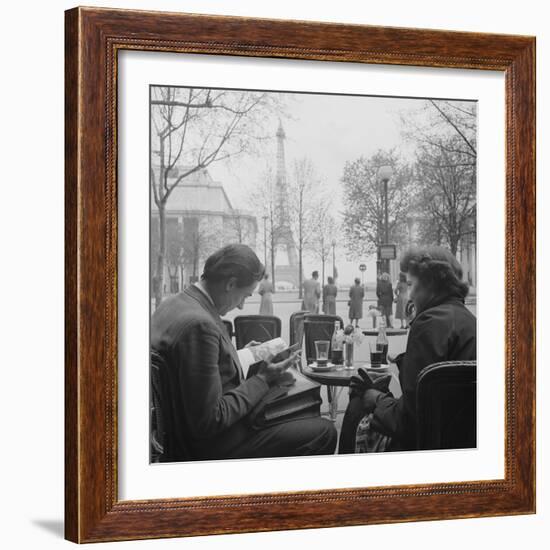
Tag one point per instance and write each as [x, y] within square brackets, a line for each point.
[206, 399]
[312, 293]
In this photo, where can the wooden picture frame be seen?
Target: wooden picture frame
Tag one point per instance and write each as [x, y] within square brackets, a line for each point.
[93, 39]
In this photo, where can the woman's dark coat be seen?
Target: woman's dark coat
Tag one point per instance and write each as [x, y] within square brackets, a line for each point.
[444, 331]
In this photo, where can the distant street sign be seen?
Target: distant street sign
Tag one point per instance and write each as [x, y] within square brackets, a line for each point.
[362, 267]
[387, 251]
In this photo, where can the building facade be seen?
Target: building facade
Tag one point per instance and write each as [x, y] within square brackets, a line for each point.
[199, 219]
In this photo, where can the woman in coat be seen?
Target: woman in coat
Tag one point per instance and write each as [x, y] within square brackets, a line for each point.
[265, 290]
[330, 291]
[384, 291]
[443, 330]
[356, 295]
[401, 299]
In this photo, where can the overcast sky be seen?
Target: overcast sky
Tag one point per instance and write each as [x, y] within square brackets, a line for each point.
[329, 130]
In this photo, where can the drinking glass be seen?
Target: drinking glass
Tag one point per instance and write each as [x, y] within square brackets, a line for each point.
[321, 351]
[376, 356]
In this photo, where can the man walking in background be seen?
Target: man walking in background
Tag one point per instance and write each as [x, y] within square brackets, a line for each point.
[312, 293]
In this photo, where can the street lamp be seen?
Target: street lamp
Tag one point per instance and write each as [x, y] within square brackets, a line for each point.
[384, 174]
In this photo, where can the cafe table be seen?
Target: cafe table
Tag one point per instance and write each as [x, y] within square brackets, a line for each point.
[337, 378]
[389, 331]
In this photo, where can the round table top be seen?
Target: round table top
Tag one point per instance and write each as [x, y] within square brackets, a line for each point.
[389, 331]
[340, 376]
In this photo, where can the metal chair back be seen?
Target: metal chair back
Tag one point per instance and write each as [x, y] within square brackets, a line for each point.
[256, 327]
[318, 327]
[446, 409]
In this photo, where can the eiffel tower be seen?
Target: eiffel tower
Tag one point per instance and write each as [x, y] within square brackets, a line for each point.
[286, 257]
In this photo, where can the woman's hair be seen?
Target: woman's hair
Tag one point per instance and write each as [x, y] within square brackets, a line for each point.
[233, 260]
[330, 280]
[402, 277]
[437, 268]
[357, 280]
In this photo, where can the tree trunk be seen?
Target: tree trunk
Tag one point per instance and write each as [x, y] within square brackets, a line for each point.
[300, 272]
[323, 272]
[272, 258]
[453, 244]
[161, 255]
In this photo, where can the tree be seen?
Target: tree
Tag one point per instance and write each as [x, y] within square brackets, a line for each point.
[448, 193]
[203, 239]
[192, 128]
[438, 120]
[445, 135]
[363, 219]
[262, 198]
[304, 186]
[324, 230]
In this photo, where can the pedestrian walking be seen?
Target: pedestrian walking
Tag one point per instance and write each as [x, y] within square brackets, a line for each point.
[401, 300]
[356, 295]
[312, 293]
[265, 290]
[384, 291]
[330, 291]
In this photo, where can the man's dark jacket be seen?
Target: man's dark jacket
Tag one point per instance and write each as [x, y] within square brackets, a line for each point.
[444, 331]
[205, 395]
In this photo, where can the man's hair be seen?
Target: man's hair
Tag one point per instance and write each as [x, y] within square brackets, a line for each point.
[315, 274]
[233, 260]
[357, 280]
[437, 268]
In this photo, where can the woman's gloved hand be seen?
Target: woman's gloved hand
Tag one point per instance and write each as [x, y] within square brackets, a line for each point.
[362, 381]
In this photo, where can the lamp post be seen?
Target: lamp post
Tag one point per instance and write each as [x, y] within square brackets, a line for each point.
[385, 173]
[333, 259]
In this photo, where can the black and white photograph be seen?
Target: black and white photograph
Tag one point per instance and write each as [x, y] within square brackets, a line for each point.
[313, 273]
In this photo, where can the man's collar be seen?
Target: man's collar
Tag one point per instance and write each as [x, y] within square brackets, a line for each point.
[203, 289]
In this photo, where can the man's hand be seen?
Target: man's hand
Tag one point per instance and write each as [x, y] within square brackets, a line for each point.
[271, 372]
[252, 343]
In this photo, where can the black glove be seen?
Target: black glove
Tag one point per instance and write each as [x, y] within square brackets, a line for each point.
[361, 382]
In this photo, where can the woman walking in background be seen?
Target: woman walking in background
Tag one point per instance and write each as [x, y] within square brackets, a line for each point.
[330, 291]
[384, 291]
[265, 290]
[356, 295]
[401, 299]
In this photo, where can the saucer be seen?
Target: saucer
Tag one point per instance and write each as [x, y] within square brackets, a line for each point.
[321, 368]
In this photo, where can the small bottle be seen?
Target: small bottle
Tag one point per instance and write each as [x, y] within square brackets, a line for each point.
[382, 342]
[337, 347]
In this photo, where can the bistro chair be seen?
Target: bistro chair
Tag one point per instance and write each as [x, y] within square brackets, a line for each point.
[446, 410]
[296, 331]
[163, 439]
[318, 327]
[256, 327]
[157, 434]
[296, 327]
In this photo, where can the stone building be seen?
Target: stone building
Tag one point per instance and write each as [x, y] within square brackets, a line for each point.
[199, 219]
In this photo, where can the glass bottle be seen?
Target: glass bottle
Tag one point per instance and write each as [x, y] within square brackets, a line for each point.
[382, 342]
[337, 348]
